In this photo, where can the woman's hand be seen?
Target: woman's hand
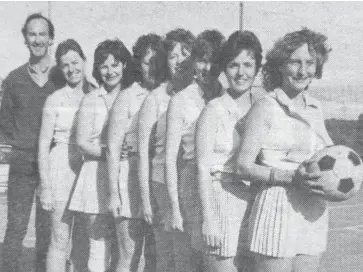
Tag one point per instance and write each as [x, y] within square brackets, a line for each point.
[307, 180]
[211, 235]
[46, 199]
[173, 221]
[147, 214]
[125, 151]
[115, 206]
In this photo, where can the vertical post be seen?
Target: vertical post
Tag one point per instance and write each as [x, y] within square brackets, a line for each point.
[50, 18]
[50, 10]
[241, 6]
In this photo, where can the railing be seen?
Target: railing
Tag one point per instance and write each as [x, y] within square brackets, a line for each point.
[5, 151]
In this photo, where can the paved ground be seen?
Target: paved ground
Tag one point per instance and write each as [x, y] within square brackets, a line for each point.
[28, 245]
[345, 245]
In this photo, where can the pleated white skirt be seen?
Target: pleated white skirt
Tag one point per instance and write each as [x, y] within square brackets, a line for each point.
[64, 165]
[230, 201]
[91, 194]
[285, 222]
[129, 190]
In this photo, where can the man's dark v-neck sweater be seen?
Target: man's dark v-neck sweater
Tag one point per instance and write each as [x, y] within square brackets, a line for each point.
[21, 110]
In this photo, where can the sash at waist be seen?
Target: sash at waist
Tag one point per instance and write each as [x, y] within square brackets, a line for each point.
[283, 159]
[64, 143]
[228, 177]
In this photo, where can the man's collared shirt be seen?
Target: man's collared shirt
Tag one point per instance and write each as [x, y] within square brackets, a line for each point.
[40, 77]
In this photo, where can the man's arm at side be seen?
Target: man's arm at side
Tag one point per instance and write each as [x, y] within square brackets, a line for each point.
[6, 112]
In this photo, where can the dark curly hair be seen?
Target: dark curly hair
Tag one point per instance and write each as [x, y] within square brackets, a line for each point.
[118, 50]
[179, 35]
[208, 46]
[236, 43]
[214, 38]
[184, 77]
[66, 46]
[282, 50]
[158, 65]
[38, 16]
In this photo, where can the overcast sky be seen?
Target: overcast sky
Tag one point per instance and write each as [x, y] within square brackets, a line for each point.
[91, 22]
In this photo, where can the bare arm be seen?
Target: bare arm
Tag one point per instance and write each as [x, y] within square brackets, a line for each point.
[84, 130]
[255, 128]
[45, 141]
[174, 126]
[204, 143]
[116, 134]
[147, 121]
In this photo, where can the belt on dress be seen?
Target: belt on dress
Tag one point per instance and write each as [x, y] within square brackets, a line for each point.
[224, 176]
[93, 158]
[130, 154]
[228, 177]
[64, 143]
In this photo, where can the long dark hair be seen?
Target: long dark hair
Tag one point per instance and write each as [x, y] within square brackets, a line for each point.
[158, 63]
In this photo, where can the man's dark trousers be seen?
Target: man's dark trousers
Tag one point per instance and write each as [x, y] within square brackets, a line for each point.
[23, 181]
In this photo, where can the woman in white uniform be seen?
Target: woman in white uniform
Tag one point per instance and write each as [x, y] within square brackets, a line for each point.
[183, 112]
[91, 194]
[131, 229]
[225, 198]
[151, 148]
[59, 158]
[289, 220]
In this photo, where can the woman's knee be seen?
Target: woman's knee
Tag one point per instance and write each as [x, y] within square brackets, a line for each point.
[130, 236]
[99, 255]
[60, 237]
[100, 227]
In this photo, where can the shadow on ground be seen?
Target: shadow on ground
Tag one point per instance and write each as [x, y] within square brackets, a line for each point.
[26, 261]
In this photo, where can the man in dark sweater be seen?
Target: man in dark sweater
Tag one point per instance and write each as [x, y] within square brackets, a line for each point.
[25, 91]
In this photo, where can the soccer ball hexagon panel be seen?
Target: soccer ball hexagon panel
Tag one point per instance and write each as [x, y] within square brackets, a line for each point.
[341, 171]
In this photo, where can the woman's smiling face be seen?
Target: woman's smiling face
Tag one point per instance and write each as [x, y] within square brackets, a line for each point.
[72, 66]
[298, 70]
[176, 56]
[111, 71]
[241, 71]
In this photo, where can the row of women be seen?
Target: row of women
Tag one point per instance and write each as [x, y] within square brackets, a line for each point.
[162, 159]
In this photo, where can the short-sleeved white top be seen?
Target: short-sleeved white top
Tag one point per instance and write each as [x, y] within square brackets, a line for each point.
[227, 139]
[303, 132]
[193, 103]
[64, 106]
[135, 96]
[161, 98]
